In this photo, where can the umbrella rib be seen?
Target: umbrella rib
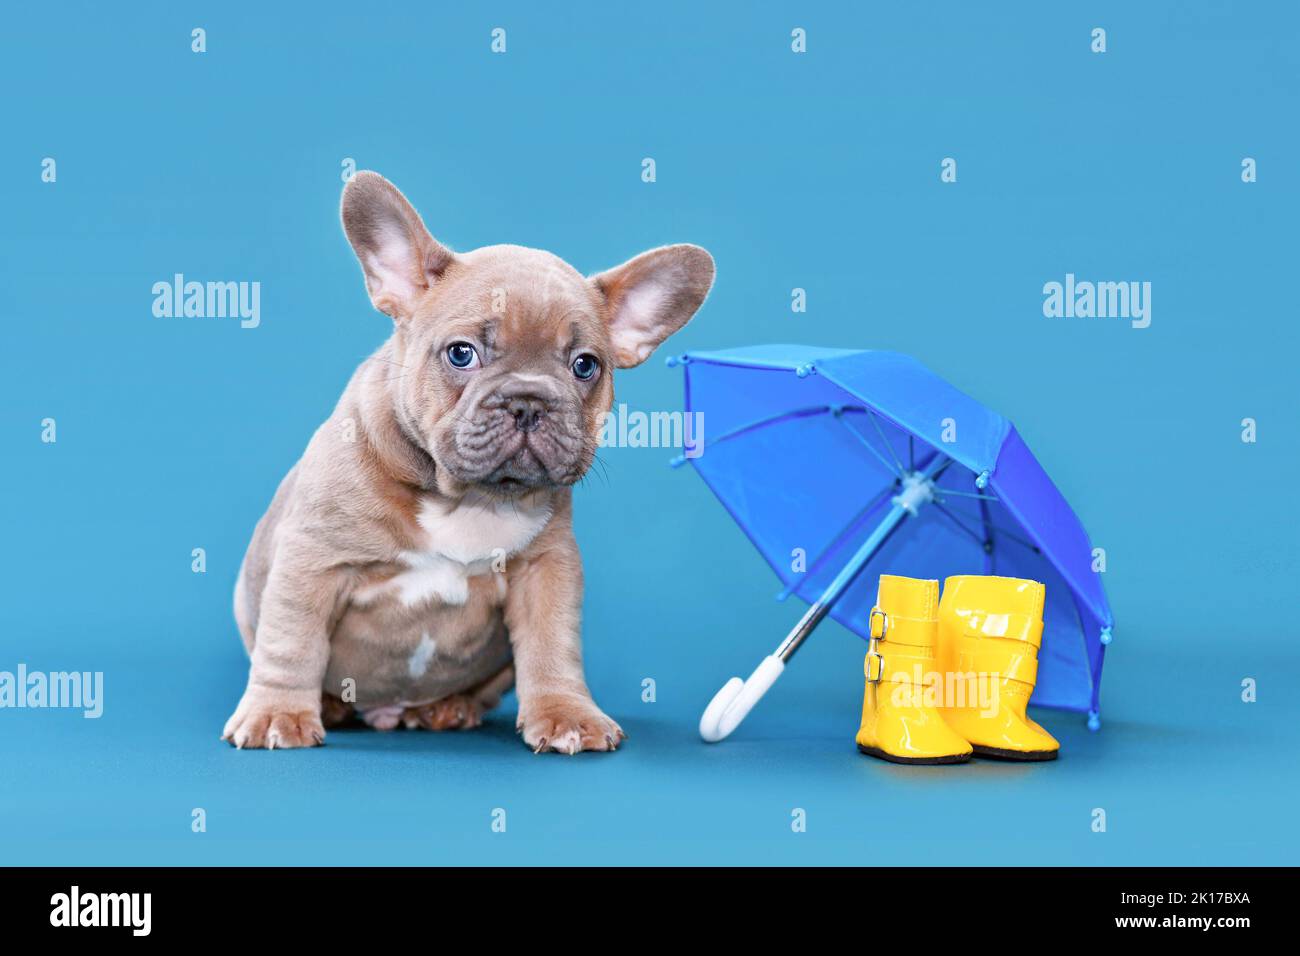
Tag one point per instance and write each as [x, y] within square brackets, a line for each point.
[853, 523]
[942, 468]
[965, 494]
[838, 412]
[988, 533]
[866, 444]
[881, 432]
[953, 518]
[997, 529]
[772, 420]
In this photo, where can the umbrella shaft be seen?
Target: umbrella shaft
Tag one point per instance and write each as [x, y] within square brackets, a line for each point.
[810, 620]
[822, 606]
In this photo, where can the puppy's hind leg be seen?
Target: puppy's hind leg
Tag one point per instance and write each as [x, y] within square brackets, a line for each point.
[335, 712]
[462, 711]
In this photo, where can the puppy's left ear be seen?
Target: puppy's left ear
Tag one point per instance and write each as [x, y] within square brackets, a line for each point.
[652, 296]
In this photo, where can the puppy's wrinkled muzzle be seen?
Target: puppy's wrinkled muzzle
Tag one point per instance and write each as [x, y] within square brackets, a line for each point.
[521, 442]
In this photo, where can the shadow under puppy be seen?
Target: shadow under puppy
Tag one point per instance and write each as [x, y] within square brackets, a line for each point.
[419, 559]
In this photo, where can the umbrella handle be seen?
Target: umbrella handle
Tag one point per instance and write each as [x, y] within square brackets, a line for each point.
[737, 698]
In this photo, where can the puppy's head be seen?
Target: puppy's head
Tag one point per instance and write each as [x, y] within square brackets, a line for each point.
[507, 352]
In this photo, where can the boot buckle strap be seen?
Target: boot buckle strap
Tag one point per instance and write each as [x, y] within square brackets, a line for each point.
[1021, 667]
[877, 626]
[877, 631]
[875, 666]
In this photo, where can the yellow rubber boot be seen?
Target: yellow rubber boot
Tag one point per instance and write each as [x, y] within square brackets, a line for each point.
[899, 722]
[990, 629]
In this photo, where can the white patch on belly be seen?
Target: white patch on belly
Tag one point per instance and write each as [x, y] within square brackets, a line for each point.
[459, 541]
[431, 576]
[427, 576]
[418, 665]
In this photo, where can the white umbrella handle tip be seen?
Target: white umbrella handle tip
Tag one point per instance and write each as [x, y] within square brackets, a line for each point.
[736, 699]
[711, 720]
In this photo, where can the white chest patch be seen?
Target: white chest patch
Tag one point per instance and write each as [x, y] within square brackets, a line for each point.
[459, 541]
[480, 532]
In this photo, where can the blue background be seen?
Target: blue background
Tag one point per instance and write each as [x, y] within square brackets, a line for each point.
[818, 171]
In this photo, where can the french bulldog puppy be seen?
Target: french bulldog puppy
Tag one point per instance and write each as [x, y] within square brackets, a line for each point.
[419, 559]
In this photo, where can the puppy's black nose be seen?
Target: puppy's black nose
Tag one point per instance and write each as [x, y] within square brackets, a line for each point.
[527, 412]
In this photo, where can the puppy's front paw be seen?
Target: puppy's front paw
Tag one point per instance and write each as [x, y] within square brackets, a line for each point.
[567, 725]
[275, 720]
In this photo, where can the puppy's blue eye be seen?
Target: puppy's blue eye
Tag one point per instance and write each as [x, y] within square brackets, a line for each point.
[585, 367]
[462, 355]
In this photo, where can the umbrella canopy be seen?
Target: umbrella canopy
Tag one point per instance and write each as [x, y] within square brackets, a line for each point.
[817, 453]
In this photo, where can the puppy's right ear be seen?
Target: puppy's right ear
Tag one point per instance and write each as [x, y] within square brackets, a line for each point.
[399, 257]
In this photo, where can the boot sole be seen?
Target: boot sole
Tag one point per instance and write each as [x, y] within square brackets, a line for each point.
[1021, 755]
[921, 761]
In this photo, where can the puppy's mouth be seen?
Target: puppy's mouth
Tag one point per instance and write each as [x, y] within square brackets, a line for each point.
[520, 472]
[528, 469]
[495, 454]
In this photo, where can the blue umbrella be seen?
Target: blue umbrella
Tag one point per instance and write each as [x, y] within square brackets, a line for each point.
[837, 462]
